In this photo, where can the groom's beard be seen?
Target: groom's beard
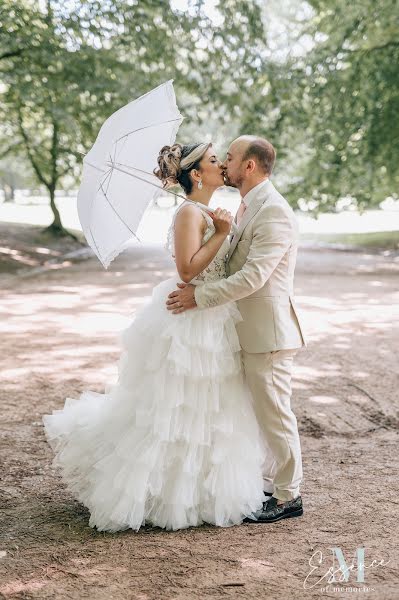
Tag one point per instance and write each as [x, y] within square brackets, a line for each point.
[234, 184]
[227, 180]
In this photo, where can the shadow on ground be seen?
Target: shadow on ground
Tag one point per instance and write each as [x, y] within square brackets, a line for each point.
[60, 336]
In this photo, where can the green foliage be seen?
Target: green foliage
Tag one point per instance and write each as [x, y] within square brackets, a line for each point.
[330, 109]
[70, 65]
[343, 110]
[56, 92]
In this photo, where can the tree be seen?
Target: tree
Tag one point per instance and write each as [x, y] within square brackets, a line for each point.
[14, 173]
[72, 64]
[49, 95]
[341, 101]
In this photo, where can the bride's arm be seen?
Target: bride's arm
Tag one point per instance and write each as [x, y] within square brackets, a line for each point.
[192, 258]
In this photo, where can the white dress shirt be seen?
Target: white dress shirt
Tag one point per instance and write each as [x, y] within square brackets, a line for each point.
[253, 192]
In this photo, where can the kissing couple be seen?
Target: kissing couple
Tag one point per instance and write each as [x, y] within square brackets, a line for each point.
[199, 426]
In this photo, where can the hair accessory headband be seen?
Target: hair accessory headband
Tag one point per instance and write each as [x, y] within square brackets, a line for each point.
[192, 158]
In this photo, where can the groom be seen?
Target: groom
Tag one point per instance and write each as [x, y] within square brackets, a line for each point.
[261, 263]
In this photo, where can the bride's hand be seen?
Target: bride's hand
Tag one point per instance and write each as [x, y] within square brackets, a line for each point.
[222, 221]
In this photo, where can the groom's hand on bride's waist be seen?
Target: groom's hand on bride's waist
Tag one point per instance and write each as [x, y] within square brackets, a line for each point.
[181, 299]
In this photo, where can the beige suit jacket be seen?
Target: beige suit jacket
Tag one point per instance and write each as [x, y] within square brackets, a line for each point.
[261, 264]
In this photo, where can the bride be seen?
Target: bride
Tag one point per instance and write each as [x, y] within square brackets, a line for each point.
[175, 442]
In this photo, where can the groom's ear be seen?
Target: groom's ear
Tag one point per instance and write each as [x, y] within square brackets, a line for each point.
[251, 166]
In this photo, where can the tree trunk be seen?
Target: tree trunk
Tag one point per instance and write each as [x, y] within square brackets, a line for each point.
[56, 224]
[8, 193]
[56, 228]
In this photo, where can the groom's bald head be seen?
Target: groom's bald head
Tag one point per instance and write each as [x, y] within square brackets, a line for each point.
[251, 147]
[250, 160]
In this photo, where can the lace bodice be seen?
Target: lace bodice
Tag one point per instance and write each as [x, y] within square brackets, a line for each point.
[217, 268]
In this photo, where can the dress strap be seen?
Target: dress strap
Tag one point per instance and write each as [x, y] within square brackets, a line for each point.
[202, 207]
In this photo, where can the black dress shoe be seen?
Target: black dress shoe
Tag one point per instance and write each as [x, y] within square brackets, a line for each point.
[272, 511]
[268, 495]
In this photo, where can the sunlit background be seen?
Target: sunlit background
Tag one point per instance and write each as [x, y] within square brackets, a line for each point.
[35, 210]
[317, 78]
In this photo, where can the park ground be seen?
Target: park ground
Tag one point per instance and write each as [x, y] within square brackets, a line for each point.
[61, 318]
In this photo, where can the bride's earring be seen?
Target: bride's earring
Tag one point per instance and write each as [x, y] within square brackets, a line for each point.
[200, 184]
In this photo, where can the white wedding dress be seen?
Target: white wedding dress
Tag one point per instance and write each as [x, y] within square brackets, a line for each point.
[175, 442]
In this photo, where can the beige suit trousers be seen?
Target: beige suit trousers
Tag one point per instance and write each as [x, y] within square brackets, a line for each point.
[269, 378]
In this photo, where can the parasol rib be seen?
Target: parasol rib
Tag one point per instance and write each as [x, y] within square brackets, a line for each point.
[147, 127]
[116, 212]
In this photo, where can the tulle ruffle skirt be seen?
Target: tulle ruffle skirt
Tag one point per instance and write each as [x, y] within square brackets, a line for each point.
[175, 442]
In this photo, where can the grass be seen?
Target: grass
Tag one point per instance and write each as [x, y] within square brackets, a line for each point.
[379, 239]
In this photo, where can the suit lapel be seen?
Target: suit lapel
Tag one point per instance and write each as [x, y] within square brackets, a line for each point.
[249, 214]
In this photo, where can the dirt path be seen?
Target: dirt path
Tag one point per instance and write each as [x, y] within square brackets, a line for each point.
[59, 337]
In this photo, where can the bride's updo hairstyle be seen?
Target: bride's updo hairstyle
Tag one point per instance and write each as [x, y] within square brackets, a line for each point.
[176, 162]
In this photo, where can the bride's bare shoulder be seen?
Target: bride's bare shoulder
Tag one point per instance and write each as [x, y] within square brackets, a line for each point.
[189, 215]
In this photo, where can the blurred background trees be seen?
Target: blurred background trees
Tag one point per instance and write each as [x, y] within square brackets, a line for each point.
[344, 103]
[318, 78]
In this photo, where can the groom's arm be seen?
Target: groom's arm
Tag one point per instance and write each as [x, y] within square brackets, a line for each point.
[273, 233]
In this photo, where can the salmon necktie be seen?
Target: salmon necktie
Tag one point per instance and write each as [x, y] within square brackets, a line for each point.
[241, 210]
